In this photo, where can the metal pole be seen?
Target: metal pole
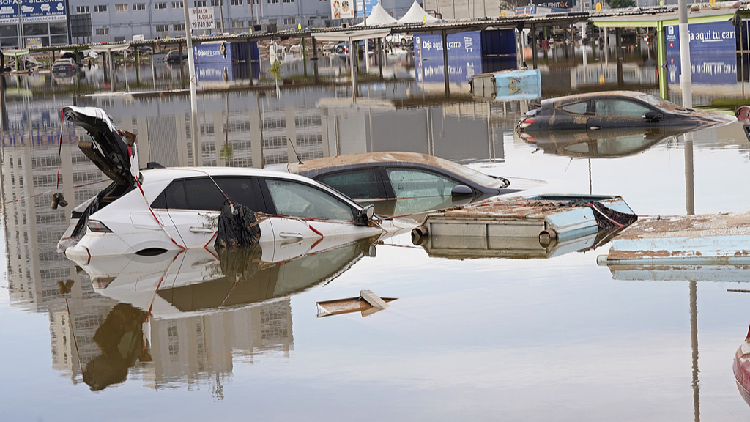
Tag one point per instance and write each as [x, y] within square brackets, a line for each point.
[354, 72]
[685, 75]
[661, 57]
[195, 130]
[533, 47]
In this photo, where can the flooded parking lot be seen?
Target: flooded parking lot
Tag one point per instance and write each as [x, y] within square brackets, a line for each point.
[545, 334]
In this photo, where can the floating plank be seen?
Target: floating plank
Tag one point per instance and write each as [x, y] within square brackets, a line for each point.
[374, 300]
[348, 305]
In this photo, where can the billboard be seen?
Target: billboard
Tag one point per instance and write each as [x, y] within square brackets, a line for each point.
[32, 11]
[710, 36]
[340, 9]
[713, 59]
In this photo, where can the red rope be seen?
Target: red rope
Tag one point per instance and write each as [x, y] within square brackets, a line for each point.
[138, 182]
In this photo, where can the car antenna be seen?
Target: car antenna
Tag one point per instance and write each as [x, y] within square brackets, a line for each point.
[294, 149]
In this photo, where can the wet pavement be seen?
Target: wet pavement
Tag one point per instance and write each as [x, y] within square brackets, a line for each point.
[521, 336]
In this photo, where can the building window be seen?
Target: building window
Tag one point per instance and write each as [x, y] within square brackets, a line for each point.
[121, 8]
[101, 8]
[139, 6]
[288, 1]
[160, 6]
[162, 28]
[177, 5]
[82, 9]
[199, 3]
[215, 3]
[236, 2]
[273, 1]
[289, 21]
[238, 24]
[179, 27]
[102, 31]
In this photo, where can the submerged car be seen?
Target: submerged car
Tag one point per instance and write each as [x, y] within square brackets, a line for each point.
[64, 67]
[617, 109]
[419, 182]
[161, 209]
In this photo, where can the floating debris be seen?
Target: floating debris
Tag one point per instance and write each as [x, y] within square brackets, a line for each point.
[709, 239]
[367, 303]
[543, 218]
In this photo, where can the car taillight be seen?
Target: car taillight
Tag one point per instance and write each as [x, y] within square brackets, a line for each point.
[526, 123]
[98, 227]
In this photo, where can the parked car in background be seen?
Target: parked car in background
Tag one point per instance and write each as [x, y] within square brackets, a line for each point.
[616, 109]
[162, 209]
[402, 182]
[174, 56]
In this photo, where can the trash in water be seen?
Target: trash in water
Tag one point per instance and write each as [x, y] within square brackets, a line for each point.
[367, 303]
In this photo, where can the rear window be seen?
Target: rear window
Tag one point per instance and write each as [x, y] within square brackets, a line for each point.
[357, 184]
[203, 194]
[576, 108]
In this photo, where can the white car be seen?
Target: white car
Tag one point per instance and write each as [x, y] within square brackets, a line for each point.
[160, 209]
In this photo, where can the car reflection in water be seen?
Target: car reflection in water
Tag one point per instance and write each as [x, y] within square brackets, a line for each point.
[604, 143]
[159, 295]
[460, 247]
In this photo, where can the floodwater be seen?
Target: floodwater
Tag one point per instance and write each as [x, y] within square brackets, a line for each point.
[552, 337]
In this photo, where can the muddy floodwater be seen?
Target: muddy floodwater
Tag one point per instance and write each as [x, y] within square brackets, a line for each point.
[472, 335]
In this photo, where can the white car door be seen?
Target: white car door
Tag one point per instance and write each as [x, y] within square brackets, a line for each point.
[304, 211]
[194, 206]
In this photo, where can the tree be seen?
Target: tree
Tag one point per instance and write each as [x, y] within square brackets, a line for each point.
[619, 4]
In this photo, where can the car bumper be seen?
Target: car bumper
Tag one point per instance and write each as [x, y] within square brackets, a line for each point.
[97, 244]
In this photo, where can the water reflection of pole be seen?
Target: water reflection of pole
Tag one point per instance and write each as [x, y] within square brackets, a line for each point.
[694, 347]
[445, 63]
[689, 175]
[3, 107]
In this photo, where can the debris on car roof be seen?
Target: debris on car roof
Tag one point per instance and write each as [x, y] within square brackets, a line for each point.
[367, 303]
[543, 217]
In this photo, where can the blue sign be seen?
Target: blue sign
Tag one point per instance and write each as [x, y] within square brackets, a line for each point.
[214, 52]
[718, 68]
[366, 7]
[32, 11]
[215, 72]
[703, 37]
[8, 11]
[712, 53]
[463, 44]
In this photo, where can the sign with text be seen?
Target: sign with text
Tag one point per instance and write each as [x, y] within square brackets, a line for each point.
[342, 9]
[711, 36]
[32, 11]
[201, 17]
[553, 4]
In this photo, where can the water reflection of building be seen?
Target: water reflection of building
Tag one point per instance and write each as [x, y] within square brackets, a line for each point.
[30, 166]
[195, 348]
[186, 350]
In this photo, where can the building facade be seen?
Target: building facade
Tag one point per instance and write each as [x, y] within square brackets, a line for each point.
[120, 20]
